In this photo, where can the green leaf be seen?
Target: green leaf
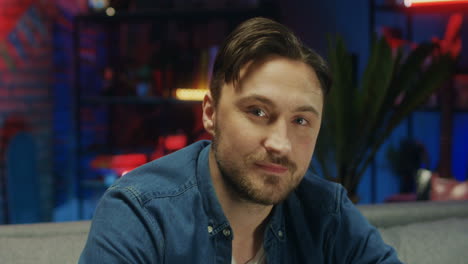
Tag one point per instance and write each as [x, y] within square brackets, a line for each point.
[358, 119]
[433, 78]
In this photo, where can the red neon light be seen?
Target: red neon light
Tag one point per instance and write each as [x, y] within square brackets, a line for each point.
[411, 3]
[175, 142]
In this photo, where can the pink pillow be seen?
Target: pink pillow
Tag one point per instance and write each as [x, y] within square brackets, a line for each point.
[448, 189]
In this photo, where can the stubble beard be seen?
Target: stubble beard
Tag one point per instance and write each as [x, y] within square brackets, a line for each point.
[238, 180]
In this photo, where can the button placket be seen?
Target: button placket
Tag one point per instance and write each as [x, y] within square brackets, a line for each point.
[226, 232]
[280, 234]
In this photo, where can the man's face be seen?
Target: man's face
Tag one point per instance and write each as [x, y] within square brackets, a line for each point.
[265, 129]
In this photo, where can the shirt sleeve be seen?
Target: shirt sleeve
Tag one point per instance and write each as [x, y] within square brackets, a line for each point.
[121, 231]
[357, 241]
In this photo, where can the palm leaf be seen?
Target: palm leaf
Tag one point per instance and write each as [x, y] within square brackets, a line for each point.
[428, 82]
[358, 119]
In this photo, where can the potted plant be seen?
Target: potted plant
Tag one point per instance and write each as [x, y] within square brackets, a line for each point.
[360, 115]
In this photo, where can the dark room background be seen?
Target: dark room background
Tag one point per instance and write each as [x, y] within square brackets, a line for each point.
[39, 109]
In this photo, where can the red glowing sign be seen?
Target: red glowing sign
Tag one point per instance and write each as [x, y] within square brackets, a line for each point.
[411, 3]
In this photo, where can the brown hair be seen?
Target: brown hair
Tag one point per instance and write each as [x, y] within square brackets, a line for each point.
[256, 39]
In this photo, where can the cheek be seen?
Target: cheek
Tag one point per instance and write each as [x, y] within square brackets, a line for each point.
[236, 127]
[304, 149]
[236, 137]
[304, 157]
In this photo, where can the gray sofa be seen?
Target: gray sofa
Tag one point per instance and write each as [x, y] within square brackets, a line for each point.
[43, 243]
[422, 232]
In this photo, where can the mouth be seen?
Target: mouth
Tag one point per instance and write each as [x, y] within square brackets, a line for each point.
[271, 167]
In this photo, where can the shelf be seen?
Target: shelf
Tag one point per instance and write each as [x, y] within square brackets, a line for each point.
[135, 100]
[115, 29]
[157, 15]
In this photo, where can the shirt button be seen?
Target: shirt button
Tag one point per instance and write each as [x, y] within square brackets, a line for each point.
[210, 229]
[226, 232]
[280, 234]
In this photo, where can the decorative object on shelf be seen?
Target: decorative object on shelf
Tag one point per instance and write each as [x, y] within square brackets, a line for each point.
[394, 37]
[143, 81]
[359, 118]
[423, 184]
[175, 142]
[119, 164]
[109, 7]
[168, 144]
[405, 160]
[98, 5]
[451, 44]
[187, 94]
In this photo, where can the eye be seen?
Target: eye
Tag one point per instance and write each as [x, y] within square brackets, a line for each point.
[258, 112]
[301, 121]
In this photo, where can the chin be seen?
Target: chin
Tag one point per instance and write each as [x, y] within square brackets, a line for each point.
[269, 195]
[268, 199]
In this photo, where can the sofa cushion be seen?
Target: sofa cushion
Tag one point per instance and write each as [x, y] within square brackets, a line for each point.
[441, 241]
[396, 214]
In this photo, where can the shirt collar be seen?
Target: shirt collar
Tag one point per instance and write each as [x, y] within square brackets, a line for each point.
[217, 219]
[276, 222]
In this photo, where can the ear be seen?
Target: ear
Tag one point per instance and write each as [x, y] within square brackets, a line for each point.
[209, 114]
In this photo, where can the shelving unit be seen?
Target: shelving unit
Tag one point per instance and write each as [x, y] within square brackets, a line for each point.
[446, 109]
[158, 106]
[409, 14]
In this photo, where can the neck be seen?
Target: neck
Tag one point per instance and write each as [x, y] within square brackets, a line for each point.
[247, 219]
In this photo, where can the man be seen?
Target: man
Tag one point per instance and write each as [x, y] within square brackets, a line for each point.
[247, 197]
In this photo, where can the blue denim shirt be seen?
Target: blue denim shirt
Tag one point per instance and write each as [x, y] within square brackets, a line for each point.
[167, 212]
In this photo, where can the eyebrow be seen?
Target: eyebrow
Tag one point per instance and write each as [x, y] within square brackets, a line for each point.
[263, 99]
[307, 108]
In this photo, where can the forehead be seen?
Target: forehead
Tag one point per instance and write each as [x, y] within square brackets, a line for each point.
[280, 78]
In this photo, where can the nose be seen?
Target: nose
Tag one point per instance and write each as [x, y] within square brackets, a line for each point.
[277, 140]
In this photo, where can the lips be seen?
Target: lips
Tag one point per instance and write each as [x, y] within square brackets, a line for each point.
[271, 167]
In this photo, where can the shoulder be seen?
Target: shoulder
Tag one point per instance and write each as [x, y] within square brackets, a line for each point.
[348, 236]
[316, 193]
[168, 176]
